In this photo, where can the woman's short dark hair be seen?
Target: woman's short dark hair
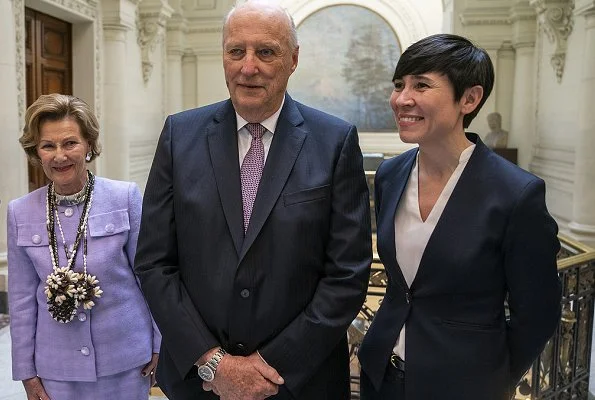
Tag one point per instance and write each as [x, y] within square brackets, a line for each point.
[55, 107]
[462, 62]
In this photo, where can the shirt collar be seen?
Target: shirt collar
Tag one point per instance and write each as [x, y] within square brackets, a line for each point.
[270, 123]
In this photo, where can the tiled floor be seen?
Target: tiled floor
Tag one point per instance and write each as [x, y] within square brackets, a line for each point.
[10, 390]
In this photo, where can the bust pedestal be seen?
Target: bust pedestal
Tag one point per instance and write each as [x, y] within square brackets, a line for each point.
[507, 153]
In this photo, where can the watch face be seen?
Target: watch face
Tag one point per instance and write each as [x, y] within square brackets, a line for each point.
[206, 373]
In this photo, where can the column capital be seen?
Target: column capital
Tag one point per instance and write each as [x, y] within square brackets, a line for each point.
[119, 14]
[177, 28]
[556, 19]
[524, 20]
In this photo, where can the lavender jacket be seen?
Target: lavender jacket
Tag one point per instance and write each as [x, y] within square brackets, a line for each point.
[117, 334]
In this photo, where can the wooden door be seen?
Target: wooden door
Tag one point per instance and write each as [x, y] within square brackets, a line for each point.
[48, 58]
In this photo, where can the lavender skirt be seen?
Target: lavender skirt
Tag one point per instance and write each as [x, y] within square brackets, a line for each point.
[129, 385]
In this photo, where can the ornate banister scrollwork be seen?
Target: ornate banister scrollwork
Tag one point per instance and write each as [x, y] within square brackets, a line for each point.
[556, 19]
[152, 20]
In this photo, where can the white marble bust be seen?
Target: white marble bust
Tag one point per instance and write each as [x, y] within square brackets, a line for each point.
[497, 137]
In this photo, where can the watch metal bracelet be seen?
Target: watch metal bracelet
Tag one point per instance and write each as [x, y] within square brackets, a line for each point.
[207, 370]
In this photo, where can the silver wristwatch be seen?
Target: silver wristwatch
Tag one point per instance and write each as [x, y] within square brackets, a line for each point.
[207, 370]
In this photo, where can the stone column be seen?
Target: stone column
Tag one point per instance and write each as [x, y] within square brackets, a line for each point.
[488, 25]
[504, 82]
[189, 90]
[113, 162]
[119, 20]
[176, 39]
[582, 225]
[522, 126]
[522, 121]
[174, 82]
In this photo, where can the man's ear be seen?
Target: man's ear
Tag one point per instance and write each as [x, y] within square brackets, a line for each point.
[294, 57]
[471, 99]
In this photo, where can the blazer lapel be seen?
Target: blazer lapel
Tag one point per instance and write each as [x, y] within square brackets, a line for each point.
[457, 208]
[223, 148]
[285, 147]
[391, 196]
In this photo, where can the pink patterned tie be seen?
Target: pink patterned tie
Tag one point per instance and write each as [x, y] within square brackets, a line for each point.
[251, 170]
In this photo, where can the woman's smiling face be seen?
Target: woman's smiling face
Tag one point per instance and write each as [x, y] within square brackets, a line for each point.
[425, 108]
[62, 151]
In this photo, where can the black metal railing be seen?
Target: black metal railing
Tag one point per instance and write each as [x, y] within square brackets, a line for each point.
[562, 370]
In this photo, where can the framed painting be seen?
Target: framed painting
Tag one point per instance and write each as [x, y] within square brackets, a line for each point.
[347, 58]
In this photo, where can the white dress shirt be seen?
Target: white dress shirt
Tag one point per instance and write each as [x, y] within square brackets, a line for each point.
[245, 138]
[412, 233]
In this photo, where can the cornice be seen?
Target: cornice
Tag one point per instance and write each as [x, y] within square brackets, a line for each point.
[204, 25]
[485, 16]
[522, 12]
[84, 7]
[177, 22]
[206, 30]
[584, 7]
[152, 21]
[556, 19]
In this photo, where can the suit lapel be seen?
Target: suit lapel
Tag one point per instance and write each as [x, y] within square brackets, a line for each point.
[223, 148]
[285, 147]
[391, 196]
[456, 210]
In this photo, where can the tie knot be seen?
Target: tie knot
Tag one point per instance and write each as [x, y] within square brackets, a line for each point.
[256, 130]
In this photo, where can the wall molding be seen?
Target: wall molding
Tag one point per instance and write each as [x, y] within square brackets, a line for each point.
[141, 156]
[555, 164]
[401, 15]
[74, 11]
[19, 25]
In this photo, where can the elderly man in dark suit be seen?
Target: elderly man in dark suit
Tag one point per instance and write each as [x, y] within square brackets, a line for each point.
[254, 249]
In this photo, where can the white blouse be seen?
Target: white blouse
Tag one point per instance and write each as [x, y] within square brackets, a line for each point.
[412, 233]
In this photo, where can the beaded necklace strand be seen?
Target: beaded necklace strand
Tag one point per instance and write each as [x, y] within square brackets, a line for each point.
[66, 288]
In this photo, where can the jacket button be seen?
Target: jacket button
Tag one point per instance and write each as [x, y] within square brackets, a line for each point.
[85, 351]
[109, 228]
[240, 346]
[68, 212]
[245, 293]
[36, 239]
[408, 297]
[82, 317]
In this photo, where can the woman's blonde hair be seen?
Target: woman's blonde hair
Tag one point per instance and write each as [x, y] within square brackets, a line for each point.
[56, 107]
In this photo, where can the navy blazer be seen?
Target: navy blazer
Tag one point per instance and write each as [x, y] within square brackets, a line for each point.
[495, 241]
[292, 284]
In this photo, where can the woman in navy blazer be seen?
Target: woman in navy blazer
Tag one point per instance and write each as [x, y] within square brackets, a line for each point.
[460, 231]
[80, 326]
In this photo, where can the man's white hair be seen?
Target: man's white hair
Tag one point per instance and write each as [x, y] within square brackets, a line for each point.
[293, 39]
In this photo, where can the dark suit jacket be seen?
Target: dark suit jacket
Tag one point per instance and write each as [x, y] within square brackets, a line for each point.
[494, 240]
[292, 285]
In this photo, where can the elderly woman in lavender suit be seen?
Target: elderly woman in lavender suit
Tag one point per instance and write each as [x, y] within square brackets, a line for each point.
[80, 326]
